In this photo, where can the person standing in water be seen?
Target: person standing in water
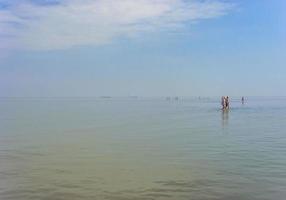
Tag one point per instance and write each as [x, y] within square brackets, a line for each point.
[242, 100]
[227, 102]
[223, 102]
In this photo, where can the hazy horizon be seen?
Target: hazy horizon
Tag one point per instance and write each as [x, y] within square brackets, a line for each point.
[122, 99]
[158, 48]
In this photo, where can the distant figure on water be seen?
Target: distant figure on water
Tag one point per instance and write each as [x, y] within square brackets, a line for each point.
[225, 102]
[242, 100]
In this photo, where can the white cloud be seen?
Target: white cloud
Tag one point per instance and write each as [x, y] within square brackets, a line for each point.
[96, 22]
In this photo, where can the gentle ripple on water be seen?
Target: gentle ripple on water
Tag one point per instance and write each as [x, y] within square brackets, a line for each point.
[142, 149]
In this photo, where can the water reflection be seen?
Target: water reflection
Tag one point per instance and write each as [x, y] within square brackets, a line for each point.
[224, 117]
[141, 149]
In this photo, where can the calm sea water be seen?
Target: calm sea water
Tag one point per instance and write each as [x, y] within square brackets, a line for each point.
[129, 149]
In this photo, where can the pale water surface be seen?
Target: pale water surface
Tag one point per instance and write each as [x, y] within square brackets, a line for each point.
[130, 149]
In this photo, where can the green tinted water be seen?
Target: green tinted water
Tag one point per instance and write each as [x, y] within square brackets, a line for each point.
[84, 148]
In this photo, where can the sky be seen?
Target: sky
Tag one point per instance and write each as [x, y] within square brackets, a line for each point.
[54, 48]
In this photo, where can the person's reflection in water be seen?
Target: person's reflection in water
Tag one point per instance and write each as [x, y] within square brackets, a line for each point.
[224, 117]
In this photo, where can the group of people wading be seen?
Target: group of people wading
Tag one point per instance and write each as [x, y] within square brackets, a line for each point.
[225, 102]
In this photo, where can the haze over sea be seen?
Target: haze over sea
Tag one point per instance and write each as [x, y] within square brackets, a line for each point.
[142, 148]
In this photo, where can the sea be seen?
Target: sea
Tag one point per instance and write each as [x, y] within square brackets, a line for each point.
[139, 148]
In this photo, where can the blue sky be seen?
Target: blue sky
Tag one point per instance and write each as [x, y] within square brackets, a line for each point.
[143, 47]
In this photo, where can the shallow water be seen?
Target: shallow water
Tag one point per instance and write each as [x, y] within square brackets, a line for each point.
[120, 149]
